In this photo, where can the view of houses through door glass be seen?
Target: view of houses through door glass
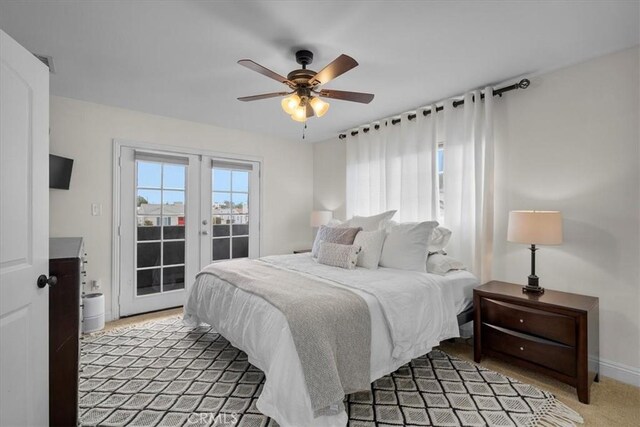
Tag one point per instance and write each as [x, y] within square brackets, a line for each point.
[229, 213]
[160, 241]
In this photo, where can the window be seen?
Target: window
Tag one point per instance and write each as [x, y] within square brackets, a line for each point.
[160, 240]
[230, 213]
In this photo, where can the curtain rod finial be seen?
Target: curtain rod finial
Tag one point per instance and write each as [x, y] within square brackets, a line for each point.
[524, 83]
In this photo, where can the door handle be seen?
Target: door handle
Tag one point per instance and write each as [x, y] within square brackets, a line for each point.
[204, 232]
[43, 281]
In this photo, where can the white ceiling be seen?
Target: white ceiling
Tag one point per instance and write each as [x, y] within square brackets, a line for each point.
[178, 58]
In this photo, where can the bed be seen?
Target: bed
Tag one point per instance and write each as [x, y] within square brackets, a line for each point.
[425, 312]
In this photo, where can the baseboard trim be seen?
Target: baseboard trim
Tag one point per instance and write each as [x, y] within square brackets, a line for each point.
[620, 372]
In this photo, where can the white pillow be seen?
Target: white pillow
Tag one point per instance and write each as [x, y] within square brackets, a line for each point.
[371, 243]
[337, 255]
[442, 264]
[405, 247]
[370, 223]
[439, 239]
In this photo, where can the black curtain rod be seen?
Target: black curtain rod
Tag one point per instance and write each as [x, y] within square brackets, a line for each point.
[522, 84]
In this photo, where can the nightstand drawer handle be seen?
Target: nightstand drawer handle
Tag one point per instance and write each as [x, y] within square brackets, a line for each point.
[521, 321]
[521, 348]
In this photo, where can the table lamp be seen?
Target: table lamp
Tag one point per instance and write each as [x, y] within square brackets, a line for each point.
[535, 228]
[319, 218]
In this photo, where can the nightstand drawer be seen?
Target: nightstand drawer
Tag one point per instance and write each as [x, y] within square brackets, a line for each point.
[545, 324]
[542, 352]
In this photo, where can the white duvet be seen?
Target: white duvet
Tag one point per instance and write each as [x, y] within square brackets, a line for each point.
[411, 312]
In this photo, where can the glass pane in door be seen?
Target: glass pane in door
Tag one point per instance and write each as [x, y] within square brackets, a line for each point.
[160, 210]
[229, 213]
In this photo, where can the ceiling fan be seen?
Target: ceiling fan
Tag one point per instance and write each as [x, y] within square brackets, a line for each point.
[303, 101]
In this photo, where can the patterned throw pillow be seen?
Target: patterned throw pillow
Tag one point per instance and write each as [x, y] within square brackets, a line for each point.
[371, 244]
[337, 255]
[341, 235]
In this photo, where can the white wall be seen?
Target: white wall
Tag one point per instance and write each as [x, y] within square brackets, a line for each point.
[85, 131]
[330, 178]
[569, 142]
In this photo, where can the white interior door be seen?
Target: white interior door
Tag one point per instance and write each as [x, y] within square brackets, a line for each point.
[24, 238]
[230, 210]
[159, 250]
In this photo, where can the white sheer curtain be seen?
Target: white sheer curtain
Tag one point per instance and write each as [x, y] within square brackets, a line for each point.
[394, 167]
[468, 181]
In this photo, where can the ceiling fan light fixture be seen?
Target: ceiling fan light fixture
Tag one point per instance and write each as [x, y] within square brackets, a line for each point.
[302, 100]
[319, 106]
[299, 114]
[290, 103]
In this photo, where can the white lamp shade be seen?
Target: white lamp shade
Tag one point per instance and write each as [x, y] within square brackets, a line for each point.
[319, 218]
[535, 227]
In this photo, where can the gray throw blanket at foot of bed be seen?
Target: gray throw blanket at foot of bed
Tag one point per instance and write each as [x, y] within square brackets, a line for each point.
[330, 325]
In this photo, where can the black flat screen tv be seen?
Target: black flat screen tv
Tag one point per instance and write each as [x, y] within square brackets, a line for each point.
[59, 172]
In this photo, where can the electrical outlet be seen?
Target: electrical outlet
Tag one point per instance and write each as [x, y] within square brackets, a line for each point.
[96, 209]
[95, 285]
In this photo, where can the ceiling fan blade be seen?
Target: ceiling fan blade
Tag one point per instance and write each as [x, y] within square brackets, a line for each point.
[343, 95]
[309, 111]
[339, 66]
[263, 96]
[265, 71]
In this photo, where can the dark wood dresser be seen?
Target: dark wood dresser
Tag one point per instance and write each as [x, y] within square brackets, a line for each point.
[67, 264]
[555, 333]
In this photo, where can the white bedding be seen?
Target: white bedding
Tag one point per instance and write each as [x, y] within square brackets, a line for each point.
[418, 312]
[461, 283]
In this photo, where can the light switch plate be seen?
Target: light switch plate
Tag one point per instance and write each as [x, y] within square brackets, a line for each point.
[96, 209]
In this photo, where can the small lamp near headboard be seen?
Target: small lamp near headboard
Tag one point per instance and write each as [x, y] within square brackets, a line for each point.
[319, 218]
[535, 228]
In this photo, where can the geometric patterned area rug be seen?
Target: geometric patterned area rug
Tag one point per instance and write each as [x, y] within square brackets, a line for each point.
[163, 373]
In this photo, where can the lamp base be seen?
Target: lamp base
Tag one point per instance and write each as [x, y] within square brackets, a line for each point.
[532, 285]
[532, 290]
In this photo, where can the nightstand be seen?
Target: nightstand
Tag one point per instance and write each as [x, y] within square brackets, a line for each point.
[555, 333]
[302, 251]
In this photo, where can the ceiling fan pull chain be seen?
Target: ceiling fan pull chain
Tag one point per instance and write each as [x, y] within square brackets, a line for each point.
[304, 128]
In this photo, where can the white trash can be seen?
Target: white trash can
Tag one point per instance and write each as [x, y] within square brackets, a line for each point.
[93, 312]
[466, 330]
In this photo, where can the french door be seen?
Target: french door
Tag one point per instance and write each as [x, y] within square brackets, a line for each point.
[230, 210]
[178, 213]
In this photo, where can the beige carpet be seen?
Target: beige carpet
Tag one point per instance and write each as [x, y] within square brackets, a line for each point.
[612, 403]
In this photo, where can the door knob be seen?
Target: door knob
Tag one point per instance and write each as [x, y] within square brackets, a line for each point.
[43, 281]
